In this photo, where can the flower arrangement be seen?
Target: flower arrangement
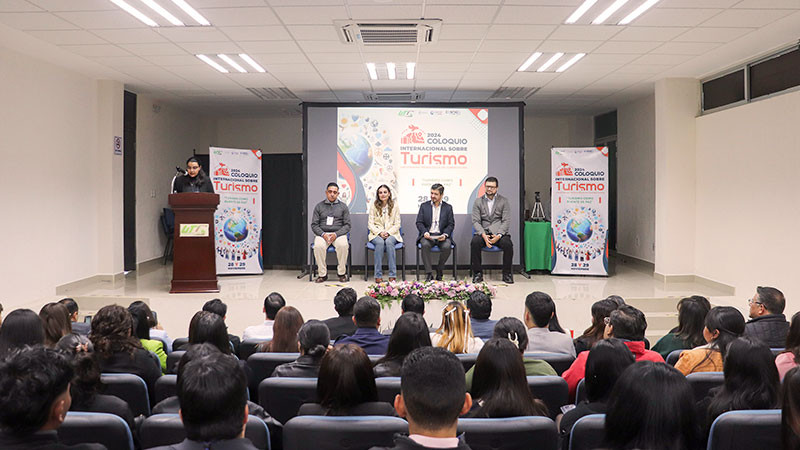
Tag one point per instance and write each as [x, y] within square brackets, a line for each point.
[391, 291]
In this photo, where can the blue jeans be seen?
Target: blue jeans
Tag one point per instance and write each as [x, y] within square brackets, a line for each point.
[386, 245]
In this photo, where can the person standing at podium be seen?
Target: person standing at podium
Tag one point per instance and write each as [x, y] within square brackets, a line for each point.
[330, 224]
[195, 179]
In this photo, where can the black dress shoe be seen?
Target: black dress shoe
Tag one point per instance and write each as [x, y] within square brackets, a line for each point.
[438, 275]
[429, 277]
[508, 278]
[477, 278]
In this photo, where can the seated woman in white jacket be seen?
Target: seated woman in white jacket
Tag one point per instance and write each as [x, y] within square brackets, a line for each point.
[384, 231]
[455, 333]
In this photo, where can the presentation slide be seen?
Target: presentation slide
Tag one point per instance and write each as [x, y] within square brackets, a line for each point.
[409, 149]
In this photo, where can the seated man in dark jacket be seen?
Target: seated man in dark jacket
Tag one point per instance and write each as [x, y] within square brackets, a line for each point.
[313, 340]
[367, 316]
[767, 321]
[343, 302]
[433, 394]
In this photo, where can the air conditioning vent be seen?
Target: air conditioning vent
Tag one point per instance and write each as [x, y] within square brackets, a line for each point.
[508, 93]
[410, 32]
[268, 94]
[394, 96]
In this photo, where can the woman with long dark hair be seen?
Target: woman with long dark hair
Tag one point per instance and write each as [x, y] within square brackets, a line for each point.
[652, 407]
[790, 416]
[195, 179]
[346, 386]
[722, 326]
[600, 310]
[790, 357]
[499, 386]
[692, 313]
[313, 340]
[410, 332]
[20, 327]
[55, 320]
[284, 332]
[142, 318]
[384, 231]
[209, 327]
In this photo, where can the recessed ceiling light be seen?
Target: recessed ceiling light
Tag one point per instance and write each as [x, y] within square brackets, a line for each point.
[571, 61]
[608, 12]
[410, 67]
[232, 63]
[550, 62]
[637, 12]
[191, 12]
[163, 13]
[580, 11]
[134, 12]
[529, 61]
[253, 64]
[390, 68]
[212, 63]
[373, 74]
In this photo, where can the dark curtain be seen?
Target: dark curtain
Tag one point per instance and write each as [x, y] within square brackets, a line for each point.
[282, 211]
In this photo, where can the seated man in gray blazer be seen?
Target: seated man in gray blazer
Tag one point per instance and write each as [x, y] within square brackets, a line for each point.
[491, 217]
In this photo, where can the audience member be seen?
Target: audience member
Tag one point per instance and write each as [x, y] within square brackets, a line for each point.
[751, 380]
[119, 352]
[313, 340]
[85, 387]
[600, 310]
[539, 309]
[410, 332]
[157, 331]
[212, 391]
[607, 359]
[208, 327]
[34, 399]
[499, 386]
[272, 304]
[72, 307]
[284, 332]
[626, 323]
[367, 317]
[692, 313]
[480, 308]
[432, 397]
[652, 407]
[767, 321]
[346, 386]
[790, 357]
[55, 320]
[723, 325]
[1, 313]
[413, 303]
[790, 416]
[455, 332]
[141, 329]
[513, 329]
[219, 308]
[343, 303]
[20, 328]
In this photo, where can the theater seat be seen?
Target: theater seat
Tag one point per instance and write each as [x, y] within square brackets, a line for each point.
[98, 428]
[559, 362]
[167, 429]
[702, 382]
[128, 387]
[248, 346]
[173, 359]
[180, 343]
[588, 432]
[166, 386]
[580, 391]
[510, 433]
[552, 390]
[746, 430]
[388, 388]
[467, 360]
[333, 433]
[282, 397]
[673, 356]
[262, 364]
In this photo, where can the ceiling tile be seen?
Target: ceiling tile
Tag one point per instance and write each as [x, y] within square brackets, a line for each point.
[99, 20]
[494, 67]
[313, 32]
[438, 76]
[211, 48]
[349, 57]
[455, 31]
[627, 47]
[662, 59]
[225, 3]
[174, 60]
[445, 57]
[154, 49]
[281, 58]
[340, 68]
[376, 12]
[539, 15]
[649, 33]
[493, 77]
[276, 67]
[722, 35]
[305, 2]
[257, 33]
[121, 61]
[585, 32]
[131, 36]
[226, 17]
[678, 17]
[18, 6]
[325, 46]
[397, 58]
[369, 51]
[270, 47]
[644, 68]
[492, 57]
[35, 21]
[686, 48]
[520, 31]
[193, 34]
[96, 50]
[256, 80]
[462, 14]
[507, 45]
[317, 15]
[768, 4]
[568, 46]
[67, 37]
[453, 46]
[75, 5]
[746, 18]
[608, 58]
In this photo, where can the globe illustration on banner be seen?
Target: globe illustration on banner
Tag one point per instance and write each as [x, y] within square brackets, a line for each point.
[355, 148]
[235, 229]
[579, 229]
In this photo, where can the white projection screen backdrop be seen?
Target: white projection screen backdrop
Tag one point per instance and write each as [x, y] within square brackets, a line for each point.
[409, 148]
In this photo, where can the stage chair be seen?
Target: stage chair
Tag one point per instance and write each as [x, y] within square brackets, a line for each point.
[98, 428]
[173, 359]
[509, 433]
[128, 387]
[331, 249]
[167, 429]
[484, 249]
[399, 246]
[248, 347]
[282, 397]
[436, 250]
[552, 390]
[334, 433]
[674, 356]
[388, 388]
[746, 430]
[702, 382]
[588, 432]
[559, 362]
[166, 386]
[467, 360]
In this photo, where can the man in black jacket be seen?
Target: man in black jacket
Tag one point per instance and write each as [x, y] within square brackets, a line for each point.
[767, 321]
[343, 302]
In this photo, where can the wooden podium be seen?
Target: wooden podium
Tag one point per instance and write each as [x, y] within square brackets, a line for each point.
[194, 267]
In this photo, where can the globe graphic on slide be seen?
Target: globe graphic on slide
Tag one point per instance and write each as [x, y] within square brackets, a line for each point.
[235, 229]
[356, 149]
[579, 229]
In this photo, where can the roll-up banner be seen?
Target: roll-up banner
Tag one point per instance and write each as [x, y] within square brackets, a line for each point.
[236, 174]
[580, 211]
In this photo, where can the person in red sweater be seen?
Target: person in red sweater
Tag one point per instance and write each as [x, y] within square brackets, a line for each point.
[626, 323]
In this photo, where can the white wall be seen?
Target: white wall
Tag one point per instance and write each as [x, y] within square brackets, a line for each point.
[56, 174]
[165, 138]
[269, 133]
[636, 129]
[747, 196]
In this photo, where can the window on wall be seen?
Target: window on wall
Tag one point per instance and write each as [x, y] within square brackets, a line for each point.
[724, 90]
[775, 74]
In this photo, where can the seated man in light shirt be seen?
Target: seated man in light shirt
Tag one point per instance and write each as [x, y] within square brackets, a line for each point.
[272, 304]
[539, 309]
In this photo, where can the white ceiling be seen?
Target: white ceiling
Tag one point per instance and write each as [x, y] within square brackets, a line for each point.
[481, 44]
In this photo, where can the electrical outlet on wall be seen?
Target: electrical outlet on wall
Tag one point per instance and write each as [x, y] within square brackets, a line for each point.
[152, 193]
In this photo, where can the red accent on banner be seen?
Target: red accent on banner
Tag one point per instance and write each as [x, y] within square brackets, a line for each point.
[559, 199]
[345, 172]
[599, 199]
[476, 112]
[460, 182]
[255, 152]
[412, 182]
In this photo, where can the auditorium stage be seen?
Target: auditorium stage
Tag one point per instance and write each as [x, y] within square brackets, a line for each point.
[244, 296]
